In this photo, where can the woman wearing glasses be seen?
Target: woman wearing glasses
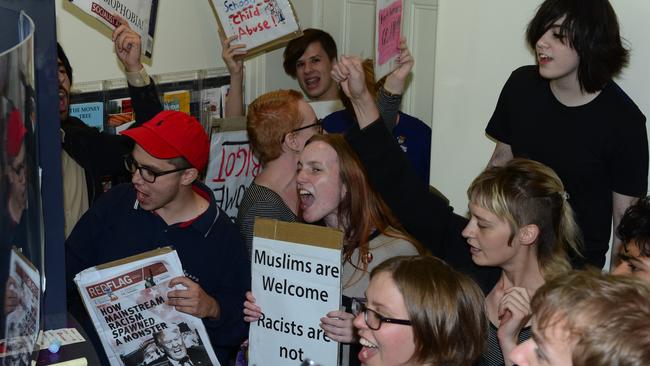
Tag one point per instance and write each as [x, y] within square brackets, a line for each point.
[420, 311]
[278, 125]
[334, 189]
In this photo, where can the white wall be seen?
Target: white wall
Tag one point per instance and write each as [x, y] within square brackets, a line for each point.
[186, 39]
[479, 43]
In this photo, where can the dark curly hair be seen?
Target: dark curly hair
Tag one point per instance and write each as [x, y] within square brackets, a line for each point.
[635, 226]
[64, 59]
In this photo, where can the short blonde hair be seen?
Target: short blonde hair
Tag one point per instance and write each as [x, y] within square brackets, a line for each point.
[445, 307]
[524, 192]
[607, 316]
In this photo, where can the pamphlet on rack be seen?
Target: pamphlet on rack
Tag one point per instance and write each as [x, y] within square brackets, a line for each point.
[140, 14]
[91, 114]
[225, 90]
[127, 302]
[210, 105]
[178, 100]
[120, 114]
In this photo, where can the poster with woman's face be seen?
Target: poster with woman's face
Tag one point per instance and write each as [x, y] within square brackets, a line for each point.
[20, 212]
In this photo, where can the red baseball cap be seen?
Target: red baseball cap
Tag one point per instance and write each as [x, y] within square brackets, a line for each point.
[16, 132]
[171, 134]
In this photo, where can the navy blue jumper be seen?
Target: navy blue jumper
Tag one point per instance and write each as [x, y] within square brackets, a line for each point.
[209, 247]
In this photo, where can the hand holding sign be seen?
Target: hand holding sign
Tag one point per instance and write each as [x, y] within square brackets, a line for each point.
[396, 80]
[338, 326]
[252, 312]
[140, 15]
[127, 46]
[233, 54]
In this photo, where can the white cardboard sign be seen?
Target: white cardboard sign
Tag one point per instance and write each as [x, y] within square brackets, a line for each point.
[141, 15]
[295, 285]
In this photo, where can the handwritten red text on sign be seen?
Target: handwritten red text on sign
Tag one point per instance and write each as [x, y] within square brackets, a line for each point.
[390, 20]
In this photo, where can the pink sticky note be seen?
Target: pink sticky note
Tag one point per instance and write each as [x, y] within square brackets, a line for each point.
[390, 23]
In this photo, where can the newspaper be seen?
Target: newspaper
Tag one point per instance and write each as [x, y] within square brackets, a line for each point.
[22, 309]
[126, 300]
[141, 15]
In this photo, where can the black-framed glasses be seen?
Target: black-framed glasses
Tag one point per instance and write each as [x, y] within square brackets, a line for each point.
[318, 124]
[147, 174]
[373, 319]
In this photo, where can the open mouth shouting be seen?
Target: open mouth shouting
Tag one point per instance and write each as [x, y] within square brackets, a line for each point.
[142, 198]
[306, 199]
[368, 351]
[312, 82]
[63, 99]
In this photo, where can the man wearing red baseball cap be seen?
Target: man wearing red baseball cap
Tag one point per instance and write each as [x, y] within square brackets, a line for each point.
[165, 204]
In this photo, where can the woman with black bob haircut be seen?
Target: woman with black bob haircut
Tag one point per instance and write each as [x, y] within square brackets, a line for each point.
[591, 29]
[568, 113]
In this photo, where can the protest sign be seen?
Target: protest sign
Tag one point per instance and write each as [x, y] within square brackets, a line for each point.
[22, 309]
[259, 24]
[296, 281]
[388, 24]
[232, 165]
[127, 302]
[141, 15]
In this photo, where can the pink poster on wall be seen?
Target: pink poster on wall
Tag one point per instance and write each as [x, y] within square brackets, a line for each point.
[389, 23]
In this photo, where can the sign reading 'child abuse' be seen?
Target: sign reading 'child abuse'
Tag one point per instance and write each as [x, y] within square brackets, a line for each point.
[257, 23]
